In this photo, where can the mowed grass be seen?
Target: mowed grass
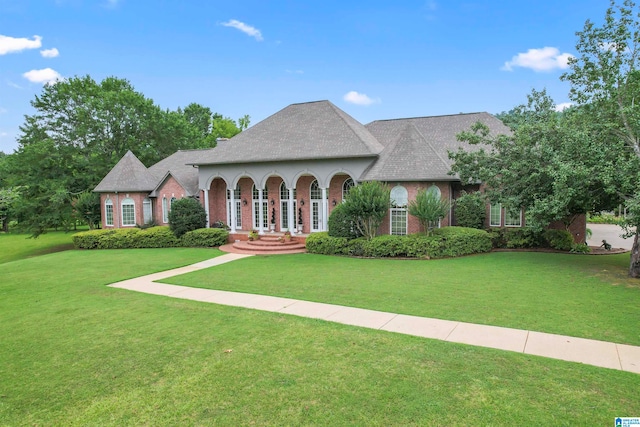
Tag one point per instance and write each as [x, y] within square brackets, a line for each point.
[582, 296]
[14, 246]
[76, 352]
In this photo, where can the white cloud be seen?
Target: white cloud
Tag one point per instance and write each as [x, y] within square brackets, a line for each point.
[354, 97]
[3, 110]
[12, 84]
[563, 106]
[247, 29]
[294, 71]
[12, 44]
[112, 4]
[49, 53]
[545, 59]
[44, 76]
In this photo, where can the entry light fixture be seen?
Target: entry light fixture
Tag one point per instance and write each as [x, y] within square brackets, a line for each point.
[334, 202]
[301, 202]
[273, 202]
[244, 202]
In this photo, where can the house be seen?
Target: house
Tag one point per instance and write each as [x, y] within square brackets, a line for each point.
[289, 171]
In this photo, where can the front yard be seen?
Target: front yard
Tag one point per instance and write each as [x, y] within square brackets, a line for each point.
[75, 352]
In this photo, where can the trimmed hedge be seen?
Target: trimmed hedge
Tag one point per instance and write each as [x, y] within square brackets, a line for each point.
[444, 242]
[205, 237]
[524, 238]
[154, 237]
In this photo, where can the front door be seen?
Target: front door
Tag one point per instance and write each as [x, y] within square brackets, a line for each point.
[256, 214]
[284, 214]
[316, 215]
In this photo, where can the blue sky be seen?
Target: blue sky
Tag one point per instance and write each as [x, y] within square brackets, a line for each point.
[374, 59]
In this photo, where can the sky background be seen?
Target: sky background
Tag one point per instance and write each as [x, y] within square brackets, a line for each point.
[373, 59]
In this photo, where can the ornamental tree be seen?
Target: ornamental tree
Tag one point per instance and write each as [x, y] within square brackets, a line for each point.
[429, 208]
[367, 204]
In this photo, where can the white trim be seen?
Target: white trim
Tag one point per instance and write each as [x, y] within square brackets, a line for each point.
[127, 202]
[108, 202]
[206, 206]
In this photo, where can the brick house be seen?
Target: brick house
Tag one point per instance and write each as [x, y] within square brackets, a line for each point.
[290, 170]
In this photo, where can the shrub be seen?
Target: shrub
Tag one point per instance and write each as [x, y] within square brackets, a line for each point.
[89, 239]
[386, 246]
[341, 224]
[119, 238]
[186, 215]
[205, 237]
[322, 243]
[470, 210]
[605, 218]
[155, 237]
[561, 240]
[524, 237]
[444, 242]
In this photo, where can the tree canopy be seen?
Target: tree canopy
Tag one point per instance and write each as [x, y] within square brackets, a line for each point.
[79, 131]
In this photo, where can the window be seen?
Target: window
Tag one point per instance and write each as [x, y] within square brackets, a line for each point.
[165, 210]
[128, 212]
[256, 193]
[495, 215]
[346, 186]
[315, 191]
[147, 211]
[256, 207]
[398, 212]
[108, 212]
[284, 207]
[173, 199]
[435, 190]
[512, 219]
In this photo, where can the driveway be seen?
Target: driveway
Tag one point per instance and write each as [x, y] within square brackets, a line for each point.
[609, 232]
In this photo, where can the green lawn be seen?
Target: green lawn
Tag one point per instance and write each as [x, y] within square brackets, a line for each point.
[16, 246]
[75, 352]
[583, 296]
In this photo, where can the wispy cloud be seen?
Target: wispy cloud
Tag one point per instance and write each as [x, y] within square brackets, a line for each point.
[14, 85]
[356, 98]
[3, 110]
[545, 59]
[112, 4]
[247, 29]
[12, 44]
[44, 76]
[563, 106]
[294, 71]
[49, 53]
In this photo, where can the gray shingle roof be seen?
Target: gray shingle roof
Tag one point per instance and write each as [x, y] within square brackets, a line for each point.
[416, 149]
[129, 174]
[179, 165]
[312, 130]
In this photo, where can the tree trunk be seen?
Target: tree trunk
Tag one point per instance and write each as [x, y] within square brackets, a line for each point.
[634, 267]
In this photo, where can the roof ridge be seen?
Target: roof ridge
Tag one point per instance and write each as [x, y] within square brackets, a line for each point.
[341, 114]
[430, 145]
[428, 117]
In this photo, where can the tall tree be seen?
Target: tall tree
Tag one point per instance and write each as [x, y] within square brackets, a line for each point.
[605, 83]
[548, 165]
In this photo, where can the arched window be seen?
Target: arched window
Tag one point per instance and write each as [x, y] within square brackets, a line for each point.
[256, 207]
[435, 190]
[284, 207]
[108, 212]
[398, 212]
[315, 191]
[147, 211]
[346, 186]
[128, 212]
[284, 192]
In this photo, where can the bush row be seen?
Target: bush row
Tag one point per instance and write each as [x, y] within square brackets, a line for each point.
[605, 218]
[516, 238]
[444, 242]
[154, 237]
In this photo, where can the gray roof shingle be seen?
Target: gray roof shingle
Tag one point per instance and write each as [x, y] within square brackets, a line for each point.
[416, 149]
[311, 130]
[179, 165]
[129, 174]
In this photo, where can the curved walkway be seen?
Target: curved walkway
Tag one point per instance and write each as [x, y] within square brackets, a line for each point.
[591, 352]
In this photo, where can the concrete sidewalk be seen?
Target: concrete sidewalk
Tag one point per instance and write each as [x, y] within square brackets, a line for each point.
[591, 352]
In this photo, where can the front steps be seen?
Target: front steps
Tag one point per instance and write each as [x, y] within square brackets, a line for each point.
[266, 245]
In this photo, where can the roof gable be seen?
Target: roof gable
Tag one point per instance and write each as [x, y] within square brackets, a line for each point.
[129, 174]
[417, 148]
[178, 165]
[312, 130]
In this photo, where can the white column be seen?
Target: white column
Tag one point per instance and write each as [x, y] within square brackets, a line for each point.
[292, 224]
[206, 206]
[260, 213]
[325, 210]
[232, 210]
